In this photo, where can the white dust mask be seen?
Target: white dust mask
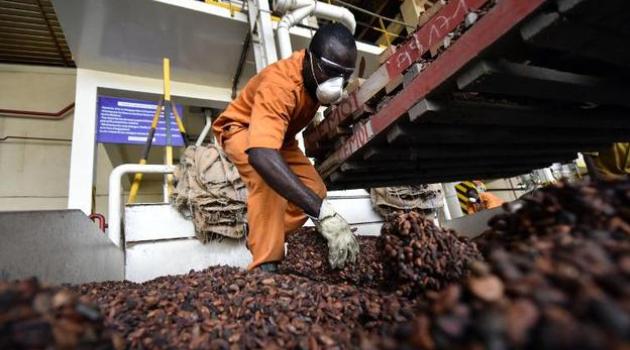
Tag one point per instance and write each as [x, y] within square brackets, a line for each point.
[330, 91]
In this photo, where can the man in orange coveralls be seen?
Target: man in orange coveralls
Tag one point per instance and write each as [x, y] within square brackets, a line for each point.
[478, 201]
[257, 132]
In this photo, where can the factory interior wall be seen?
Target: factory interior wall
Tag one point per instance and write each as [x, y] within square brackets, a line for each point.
[90, 81]
[35, 173]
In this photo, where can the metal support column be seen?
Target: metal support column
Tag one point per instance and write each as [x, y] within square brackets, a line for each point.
[452, 203]
[262, 33]
[83, 152]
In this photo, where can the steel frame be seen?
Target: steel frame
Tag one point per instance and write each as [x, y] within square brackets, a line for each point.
[490, 28]
[428, 36]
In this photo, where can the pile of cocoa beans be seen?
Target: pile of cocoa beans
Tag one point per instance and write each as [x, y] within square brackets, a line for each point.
[553, 273]
[228, 308]
[420, 256]
[557, 276]
[307, 255]
[36, 316]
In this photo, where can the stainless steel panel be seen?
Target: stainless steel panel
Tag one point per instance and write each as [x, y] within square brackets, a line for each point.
[473, 225]
[149, 260]
[145, 222]
[56, 246]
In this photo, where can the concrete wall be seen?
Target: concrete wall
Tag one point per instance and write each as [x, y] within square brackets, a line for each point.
[34, 174]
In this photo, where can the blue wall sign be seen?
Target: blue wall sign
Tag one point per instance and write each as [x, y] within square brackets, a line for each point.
[127, 121]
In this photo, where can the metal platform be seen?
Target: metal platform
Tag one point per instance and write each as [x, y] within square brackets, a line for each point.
[57, 246]
[202, 40]
[528, 84]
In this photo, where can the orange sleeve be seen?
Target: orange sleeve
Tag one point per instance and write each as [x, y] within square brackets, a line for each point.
[271, 113]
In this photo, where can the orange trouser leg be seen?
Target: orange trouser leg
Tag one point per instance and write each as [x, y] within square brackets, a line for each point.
[269, 215]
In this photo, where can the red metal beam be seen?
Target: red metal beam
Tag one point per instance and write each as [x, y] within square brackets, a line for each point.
[420, 42]
[500, 19]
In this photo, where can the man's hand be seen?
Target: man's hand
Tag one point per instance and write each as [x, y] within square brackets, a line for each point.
[342, 245]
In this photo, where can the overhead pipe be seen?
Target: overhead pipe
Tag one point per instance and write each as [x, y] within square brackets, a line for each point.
[296, 10]
[335, 13]
[18, 113]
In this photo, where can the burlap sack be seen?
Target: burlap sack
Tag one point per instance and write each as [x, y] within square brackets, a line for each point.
[210, 191]
[389, 200]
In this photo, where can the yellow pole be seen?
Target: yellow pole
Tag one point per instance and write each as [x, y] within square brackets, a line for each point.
[167, 79]
[178, 119]
[384, 29]
[167, 97]
[137, 179]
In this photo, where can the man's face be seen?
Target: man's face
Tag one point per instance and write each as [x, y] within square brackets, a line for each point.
[325, 69]
[336, 61]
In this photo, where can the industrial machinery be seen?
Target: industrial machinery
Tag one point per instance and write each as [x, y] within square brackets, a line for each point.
[483, 89]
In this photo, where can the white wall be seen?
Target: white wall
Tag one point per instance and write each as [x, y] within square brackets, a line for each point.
[83, 151]
[34, 174]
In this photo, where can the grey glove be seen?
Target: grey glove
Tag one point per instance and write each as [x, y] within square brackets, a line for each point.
[342, 245]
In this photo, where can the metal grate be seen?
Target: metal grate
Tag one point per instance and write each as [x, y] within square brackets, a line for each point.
[31, 34]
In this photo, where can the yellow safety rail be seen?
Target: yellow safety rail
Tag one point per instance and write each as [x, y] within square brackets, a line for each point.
[168, 107]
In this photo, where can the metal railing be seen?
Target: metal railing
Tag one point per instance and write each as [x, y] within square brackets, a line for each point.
[115, 194]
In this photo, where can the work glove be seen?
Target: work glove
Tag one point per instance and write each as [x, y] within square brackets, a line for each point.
[342, 245]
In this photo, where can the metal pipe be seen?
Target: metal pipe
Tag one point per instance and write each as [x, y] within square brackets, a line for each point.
[102, 225]
[335, 13]
[371, 21]
[296, 10]
[299, 11]
[38, 115]
[33, 138]
[206, 128]
[115, 194]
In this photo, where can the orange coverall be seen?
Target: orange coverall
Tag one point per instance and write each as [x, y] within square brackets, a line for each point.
[489, 200]
[270, 110]
[486, 201]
